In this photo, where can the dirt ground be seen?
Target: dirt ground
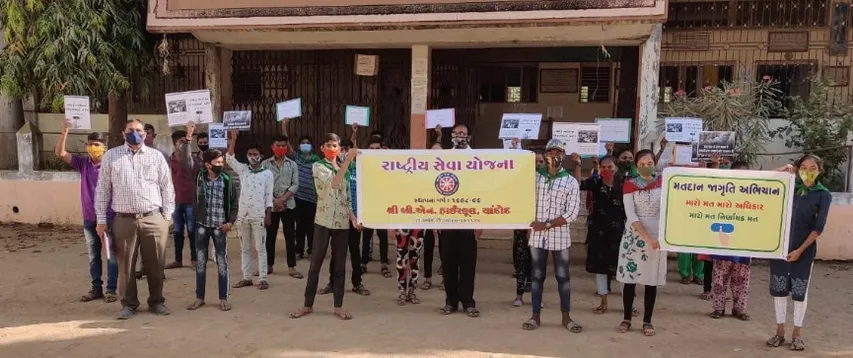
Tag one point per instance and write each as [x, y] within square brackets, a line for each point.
[46, 273]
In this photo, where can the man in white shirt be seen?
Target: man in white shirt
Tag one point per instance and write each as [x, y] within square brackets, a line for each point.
[557, 203]
[459, 251]
[138, 180]
[254, 210]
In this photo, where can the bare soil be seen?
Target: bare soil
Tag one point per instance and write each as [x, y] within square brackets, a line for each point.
[46, 273]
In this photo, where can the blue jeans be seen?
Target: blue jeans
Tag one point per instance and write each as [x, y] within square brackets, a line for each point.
[182, 216]
[539, 260]
[93, 243]
[205, 234]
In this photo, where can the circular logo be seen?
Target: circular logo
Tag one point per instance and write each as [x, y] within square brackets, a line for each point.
[446, 184]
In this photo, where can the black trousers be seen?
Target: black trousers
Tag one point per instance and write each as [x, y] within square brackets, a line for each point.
[459, 257]
[383, 245]
[354, 258]
[430, 239]
[305, 212]
[323, 238]
[286, 218]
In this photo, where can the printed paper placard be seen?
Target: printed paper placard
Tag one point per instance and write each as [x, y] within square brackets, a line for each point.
[580, 138]
[711, 142]
[683, 130]
[78, 112]
[449, 189]
[358, 115]
[183, 107]
[288, 109]
[445, 117]
[726, 212]
[217, 135]
[683, 155]
[615, 130]
[520, 125]
[237, 120]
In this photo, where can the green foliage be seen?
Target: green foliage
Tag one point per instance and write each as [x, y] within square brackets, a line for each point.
[741, 106]
[820, 125]
[72, 47]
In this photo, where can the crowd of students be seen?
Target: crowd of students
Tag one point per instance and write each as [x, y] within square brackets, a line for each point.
[131, 192]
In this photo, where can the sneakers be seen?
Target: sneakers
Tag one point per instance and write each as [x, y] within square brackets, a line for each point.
[242, 283]
[126, 313]
[159, 310]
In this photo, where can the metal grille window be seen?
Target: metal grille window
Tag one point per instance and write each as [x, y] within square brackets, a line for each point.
[690, 79]
[698, 14]
[691, 14]
[793, 79]
[508, 83]
[595, 84]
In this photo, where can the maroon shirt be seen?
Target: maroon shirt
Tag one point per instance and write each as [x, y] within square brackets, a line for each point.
[183, 179]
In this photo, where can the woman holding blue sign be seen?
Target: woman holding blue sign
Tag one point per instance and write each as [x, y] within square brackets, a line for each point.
[640, 259]
[791, 276]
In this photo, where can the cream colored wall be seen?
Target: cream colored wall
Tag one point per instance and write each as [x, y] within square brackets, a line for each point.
[489, 115]
[55, 199]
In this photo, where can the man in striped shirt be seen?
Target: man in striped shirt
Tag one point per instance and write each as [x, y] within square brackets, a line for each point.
[138, 180]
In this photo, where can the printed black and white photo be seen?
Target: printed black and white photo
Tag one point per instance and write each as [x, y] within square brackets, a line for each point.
[683, 130]
[714, 142]
[587, 136]
[177, 106]
[673, 127]
[240, 120]
[217, 135]
[520, 125]
[510, 123]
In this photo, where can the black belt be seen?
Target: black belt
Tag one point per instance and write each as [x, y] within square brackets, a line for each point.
[135, 216]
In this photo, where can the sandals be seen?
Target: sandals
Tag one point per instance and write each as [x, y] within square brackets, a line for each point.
[224, 306]
[401, 300]
[91, 296]
[573, 327]
[530, 325]
[426, 285]
[413, 299]
[110, 297]
[623, 327]
[342, 314]
[472, 312]
[649, 329]
[740, 315]
[361, 290]
[518, 302]
[174, 265]
[325, 290]
[685, 281]
[447, 310]
[706, 296]
[195, 305]
[776, 341]
[242, 283]
[441, 286]
[296, 274]
[797, 344]
[302, 312]
[698, 281]
[600, 310]
[385, 272]
[717, 314]
[263, 285]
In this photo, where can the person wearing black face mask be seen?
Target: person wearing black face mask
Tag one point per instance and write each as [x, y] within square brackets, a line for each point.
[215, 207]
[183, 177]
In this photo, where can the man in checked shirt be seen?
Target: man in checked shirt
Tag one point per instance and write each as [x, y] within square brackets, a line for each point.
[138, 180]
[557, 203]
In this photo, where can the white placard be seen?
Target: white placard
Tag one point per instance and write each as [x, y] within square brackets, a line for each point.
[580, 138]
[615, 130]
[358, 115]
[683, 156]
[520, 125]
[78, 113]
[237, 120]
[445, 117]
[602, 149]
[182, 107]
[217, 135]
[107, 245]
[288, 109]
[683, 130]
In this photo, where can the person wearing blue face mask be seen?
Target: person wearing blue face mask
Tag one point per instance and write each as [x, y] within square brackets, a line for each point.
[306, 197]
[136, 183]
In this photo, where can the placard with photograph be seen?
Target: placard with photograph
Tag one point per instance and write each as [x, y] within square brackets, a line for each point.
[237, 120]
[580, 138]
[217, 136]
[711, 142]
[183, 107]
[683, 130]
[520, 125]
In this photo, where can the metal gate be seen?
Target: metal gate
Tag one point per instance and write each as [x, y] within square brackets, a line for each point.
[326, 82]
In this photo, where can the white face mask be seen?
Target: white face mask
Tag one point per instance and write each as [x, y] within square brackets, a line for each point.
[254, 160]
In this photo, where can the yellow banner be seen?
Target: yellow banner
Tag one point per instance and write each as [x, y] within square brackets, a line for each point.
[446, 189]
[726, 212]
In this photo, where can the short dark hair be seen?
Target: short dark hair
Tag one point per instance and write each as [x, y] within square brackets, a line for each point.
[201, 135]
[346, 143]
[255, 145]
[280, 138]
[607, 158]
[809, 156]
[375, 141]
[135, 120]
[177, 135]
[377, 133]
[331, 137]
[306, 137]
[147, 126]
[740, 165]
[211, 154]
[97, 137]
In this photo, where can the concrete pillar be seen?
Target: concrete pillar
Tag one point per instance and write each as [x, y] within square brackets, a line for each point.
[420, 96]
[28, 148]
[647, 132]
[213, 78]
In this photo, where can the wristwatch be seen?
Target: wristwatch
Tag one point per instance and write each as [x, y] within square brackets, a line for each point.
[548, 225]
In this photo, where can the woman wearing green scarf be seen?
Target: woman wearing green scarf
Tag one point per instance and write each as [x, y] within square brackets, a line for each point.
[791, 276]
